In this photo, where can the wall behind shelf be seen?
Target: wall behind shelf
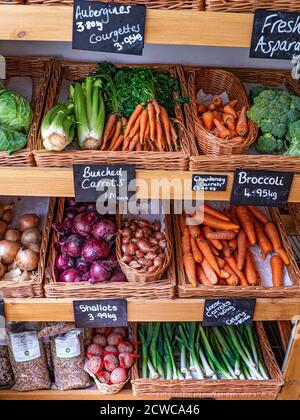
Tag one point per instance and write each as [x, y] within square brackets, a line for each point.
[190, 55]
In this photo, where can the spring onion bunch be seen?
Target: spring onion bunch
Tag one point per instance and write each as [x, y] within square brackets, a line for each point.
[182, 351]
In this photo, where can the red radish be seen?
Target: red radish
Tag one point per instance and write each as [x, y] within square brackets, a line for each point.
[111, 350]
[118, 376]
[94, 350]
[94, 365]
[114, 339]
[111, 362]
[103, 377]
[125, 347]
[100, 339]
[120, 330]
[126, 360]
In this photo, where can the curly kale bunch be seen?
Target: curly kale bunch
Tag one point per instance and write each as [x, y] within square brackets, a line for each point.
[274, 111]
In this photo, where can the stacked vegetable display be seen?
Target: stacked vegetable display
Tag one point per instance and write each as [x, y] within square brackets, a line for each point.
[86, 249]
[20, 246]
[186, 351]
[216, 247]
[16, 117]
[276, 112]
[110, 356]
[128, 109]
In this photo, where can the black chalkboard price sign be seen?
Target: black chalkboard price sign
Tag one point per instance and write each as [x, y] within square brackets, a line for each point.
[261, 188]
[109, 27]
[105, 182]
[276, 35]
[228, 312]
[100, 313]
[209, 182]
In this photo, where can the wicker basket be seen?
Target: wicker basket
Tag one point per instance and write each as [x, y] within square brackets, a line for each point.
[11, 2]
[274, 78]
[151, 4]
[38, 69]
[216, 81]
[211, 388]
[133, 275]
[185, 290]
[163, 289]
[105, 389]
[244, 6]
[34, 287]
[71, 71]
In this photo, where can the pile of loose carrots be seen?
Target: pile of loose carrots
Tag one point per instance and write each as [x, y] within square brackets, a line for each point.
[148, 129]
[224, 121]
[218, 252]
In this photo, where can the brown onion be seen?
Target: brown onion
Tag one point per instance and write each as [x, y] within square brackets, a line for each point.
[158, 262]
[127, 232]
[163, 244]
[7, 216]
[159, 236]
[144, 246]
[27, 260]
[124, 249]
[34, 247]
[151, 255]
[126, 240]
[28, 221]
[131, 249]
[139, 254]
[139, 234]
[32, 235]
[12, 235]
[127, 259]
[3, 229]
[8, 251]
[12, 266]
[152, 269]
[135, 265]
[153, 241]
[156, 226]
[2, 270]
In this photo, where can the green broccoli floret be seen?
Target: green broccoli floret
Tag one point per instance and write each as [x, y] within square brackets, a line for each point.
[294, 136]
[256, 91]
[268, 144]
[295, 103]
[293, 115]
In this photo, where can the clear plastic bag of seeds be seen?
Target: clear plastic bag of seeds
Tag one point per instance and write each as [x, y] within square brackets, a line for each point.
[6, 373]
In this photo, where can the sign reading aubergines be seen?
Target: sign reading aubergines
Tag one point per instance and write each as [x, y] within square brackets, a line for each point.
[109, 27]
[276, 35]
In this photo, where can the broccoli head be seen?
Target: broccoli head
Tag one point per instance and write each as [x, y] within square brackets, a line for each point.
[294, 138]
[268, 144]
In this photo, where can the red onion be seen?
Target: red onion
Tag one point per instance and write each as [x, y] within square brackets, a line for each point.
[94, 249]
[86, 277]
[82, 266]
[100, 272]
[93, 216]
[82, 225]
[104, 229]
[118, 277]
[72, 246]
[70, 202]
[67, 225]
[71, 213]
[63, 262]
[70, 276]
[59, 245]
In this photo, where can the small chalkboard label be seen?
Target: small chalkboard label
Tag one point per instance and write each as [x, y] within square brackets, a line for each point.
[108, 182]
[2, 314]
[100, 313]
[261, 188]
[109, 27]
[209, 182]
[276, 35]
[229, 312]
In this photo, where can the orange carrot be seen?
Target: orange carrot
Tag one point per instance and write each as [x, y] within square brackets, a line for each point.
[222, 282]
[160, 137]
[132, 120]
[201, 276]
[226, 249]
[138, 147]
[233, 103]
[242, 126]
[217, 116]
[190, 269]
[273, 234]
[233, 279]
[108, 128]
[136, 127]
[233, 265]
[212, 107]
[232, 245]
[208, 254]
[222, 235]
[174, 135]
[262, 240]
[223, 132]
[166, 126]
[221, 262]
[215, 213]
[182, 223]
[213, 249]
[209, 272]
[250, 270]
[208, 120]
[228, 120]
[229, 109]
[195, 231]
[143, 125]
[258, 214]
[238, 139]
[134, 142]
[277, 271]
[216, 244]
[201, 108]
[241, 246]
[224, 274]
[151, 113]
[217, 101]
[156, 108]
[118, 143]
[214, 223]
[198, 257]
[247, 224]
[116, 135]
[186, 242]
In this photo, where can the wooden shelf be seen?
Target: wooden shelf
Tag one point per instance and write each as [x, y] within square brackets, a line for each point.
[58, 182]
[162, 27]
[143, 310]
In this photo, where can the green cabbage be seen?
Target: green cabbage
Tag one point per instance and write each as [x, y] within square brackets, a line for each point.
[11, 140]
[15, 111]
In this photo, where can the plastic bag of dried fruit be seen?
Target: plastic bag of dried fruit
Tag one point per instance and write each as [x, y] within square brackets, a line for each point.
[28, 359]
[6, 373]
[68, 360]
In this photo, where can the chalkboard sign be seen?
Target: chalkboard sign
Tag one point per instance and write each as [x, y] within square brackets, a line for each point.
[100, 313]
[276, 35]
[209, 182]
[261, 188]
[2, 314]
[109, 27]
[230, 312]
[110, 182]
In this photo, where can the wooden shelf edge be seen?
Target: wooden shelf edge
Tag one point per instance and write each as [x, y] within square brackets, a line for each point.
[143, 310]
[178, 27]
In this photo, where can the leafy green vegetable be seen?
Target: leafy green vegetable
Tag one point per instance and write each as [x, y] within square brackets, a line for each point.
[294, 136]
[58, 128]
[15, 111]
[11, 140]
[268, 144]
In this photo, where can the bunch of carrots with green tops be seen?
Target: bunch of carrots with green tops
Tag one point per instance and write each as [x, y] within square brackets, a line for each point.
[224, 121]
[218, 251]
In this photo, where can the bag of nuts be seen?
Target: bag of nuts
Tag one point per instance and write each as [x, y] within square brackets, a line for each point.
[28, 360]
[6, 373]
[68, 359]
